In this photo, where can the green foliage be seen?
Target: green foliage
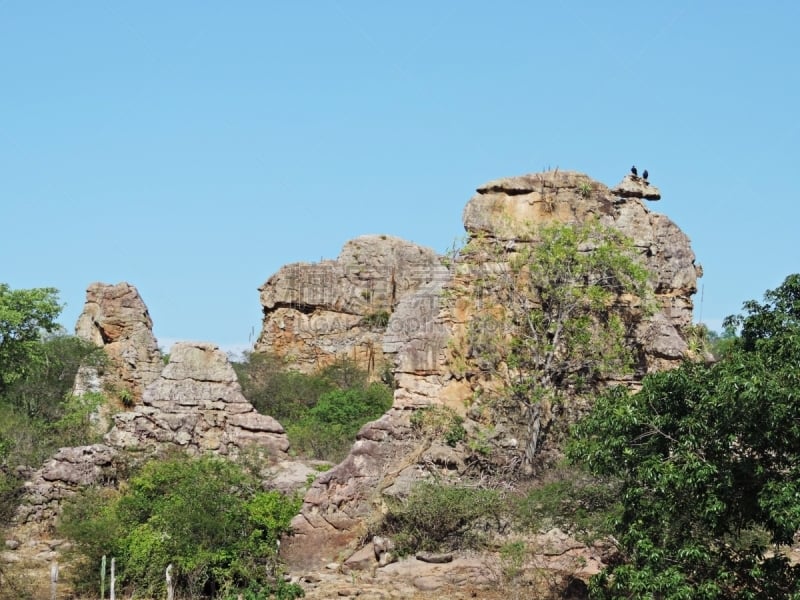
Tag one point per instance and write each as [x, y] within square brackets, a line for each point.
[437, 517]
[568, 328]
[329, 428]
[38, 414]
[573, 501]
[276, 391]
[206, 516]
[378, 319]
[709, 458]
[321, 412]
[24, 316]
[49, 375]
[554, 324]
[439, 422]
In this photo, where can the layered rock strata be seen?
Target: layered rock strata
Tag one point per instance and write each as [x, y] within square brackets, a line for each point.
[316, 313]
[197, 404]
[432, 369]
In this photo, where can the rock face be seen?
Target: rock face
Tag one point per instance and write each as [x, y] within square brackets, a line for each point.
[504, 209]
[197, 404]
[70, 470]
[427, 326]
[116, 319]
[314, 313]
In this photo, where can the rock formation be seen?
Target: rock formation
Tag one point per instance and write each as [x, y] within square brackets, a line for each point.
[314, 313]
[504, 209]
[116, 319]
[427, 327]
[197, 404]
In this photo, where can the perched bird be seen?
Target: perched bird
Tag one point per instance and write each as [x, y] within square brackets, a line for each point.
[634, 171]
[645, 174]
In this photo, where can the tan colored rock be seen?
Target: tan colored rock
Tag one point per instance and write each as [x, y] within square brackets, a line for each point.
[197, 404]
[426, 333]
[315, 313]
[116, 319]
[633, 186]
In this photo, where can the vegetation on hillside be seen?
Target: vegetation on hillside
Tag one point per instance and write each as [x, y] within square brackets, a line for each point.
[321, 412]
[549, 321]
[38, 366]
[207, 516]
[709, 460]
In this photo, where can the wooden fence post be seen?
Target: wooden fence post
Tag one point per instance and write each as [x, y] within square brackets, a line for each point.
[103, 578]
[170, 587]
[112, 592]
[53, 579]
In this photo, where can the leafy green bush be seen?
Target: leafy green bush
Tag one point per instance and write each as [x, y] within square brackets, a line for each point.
[321, 412]
[574, 501]
[206, 516]
[377, 319]
[276, 391]
[328, 429]
[437, 517]
[708, 454]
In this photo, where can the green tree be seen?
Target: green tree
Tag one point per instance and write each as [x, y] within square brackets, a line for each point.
[709, 459]
[555, 323]
[49, 375]
[328, 430]
[206, 516]
[24, 315]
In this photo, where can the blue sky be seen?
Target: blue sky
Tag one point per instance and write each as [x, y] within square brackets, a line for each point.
[192, 148]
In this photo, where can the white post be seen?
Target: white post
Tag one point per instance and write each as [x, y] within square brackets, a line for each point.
[53, 579]
[112, 592]
[103, 578]
[170, 588]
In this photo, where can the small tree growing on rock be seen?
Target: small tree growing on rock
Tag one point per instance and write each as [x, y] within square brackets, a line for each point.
[556, 314]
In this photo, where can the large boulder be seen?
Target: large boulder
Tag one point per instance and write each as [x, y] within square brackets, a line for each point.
[196, 404]
[427, 330]
[116, 319]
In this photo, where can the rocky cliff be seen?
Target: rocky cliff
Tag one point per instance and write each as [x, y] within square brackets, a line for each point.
[314, 313]
[196, 404]
[427, 344]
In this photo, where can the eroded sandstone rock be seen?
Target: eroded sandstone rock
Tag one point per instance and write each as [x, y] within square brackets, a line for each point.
[427, 331]
[314, 313]
[116, 319]
[197, 405]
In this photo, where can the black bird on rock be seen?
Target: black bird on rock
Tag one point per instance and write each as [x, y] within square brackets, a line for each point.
[645, 175]
[634, 171]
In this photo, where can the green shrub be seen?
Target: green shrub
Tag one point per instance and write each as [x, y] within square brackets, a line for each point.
[206, 516]
[575, 502]
[278, 392]
[378, 319]
[439, 422]
[328, 430]
[437, 517]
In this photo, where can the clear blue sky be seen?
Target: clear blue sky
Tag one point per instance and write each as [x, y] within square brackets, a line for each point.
[192, 148]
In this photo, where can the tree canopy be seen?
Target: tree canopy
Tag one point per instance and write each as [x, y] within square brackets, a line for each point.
[709, 459]
[24, 315]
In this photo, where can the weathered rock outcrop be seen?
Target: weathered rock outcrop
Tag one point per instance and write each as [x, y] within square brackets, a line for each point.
[314, 313]
[116, 319]
[70, 470]
[197, 404]
[429, 323]
[504, 209]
